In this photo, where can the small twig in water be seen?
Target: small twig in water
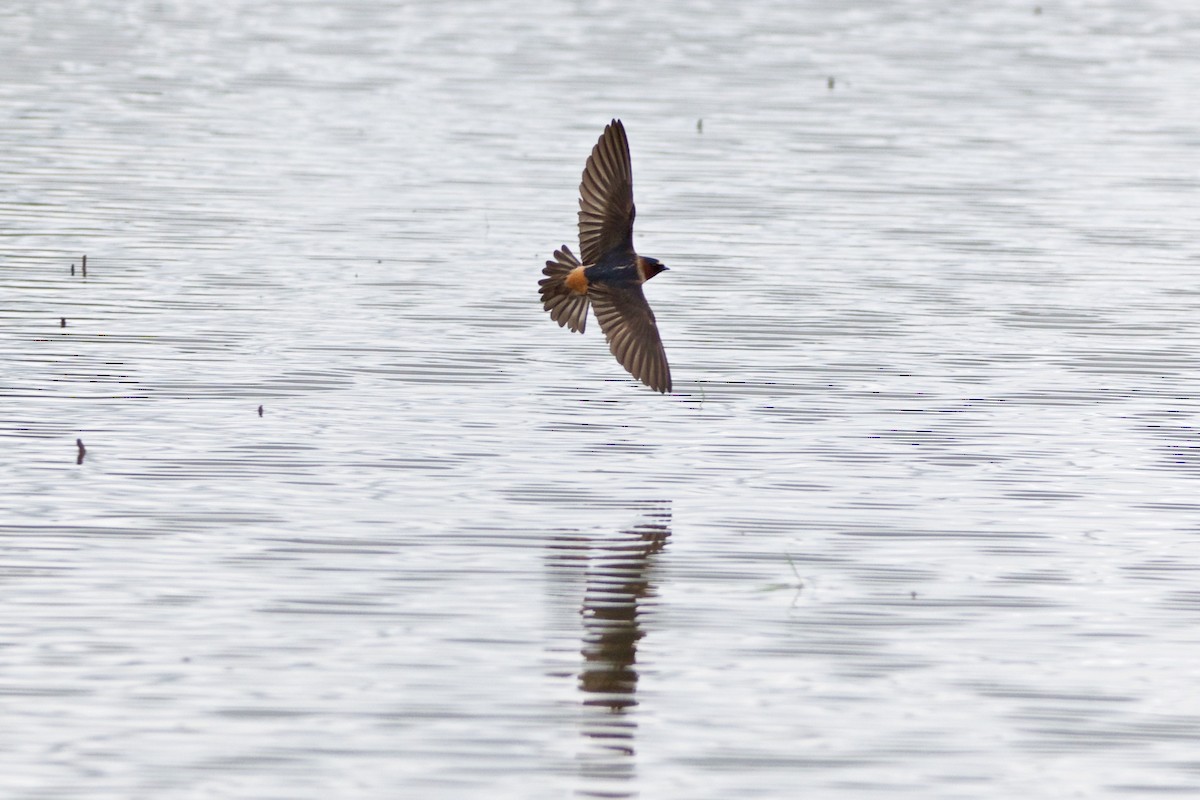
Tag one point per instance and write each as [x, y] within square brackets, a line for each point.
[792, 564]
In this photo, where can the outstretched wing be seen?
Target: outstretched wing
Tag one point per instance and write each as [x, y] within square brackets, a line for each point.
[628, 324]
[606, 197]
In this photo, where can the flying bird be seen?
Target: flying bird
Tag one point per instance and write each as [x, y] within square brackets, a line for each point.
[609, 278]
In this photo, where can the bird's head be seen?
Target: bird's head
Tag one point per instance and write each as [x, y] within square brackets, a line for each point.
[649, 267]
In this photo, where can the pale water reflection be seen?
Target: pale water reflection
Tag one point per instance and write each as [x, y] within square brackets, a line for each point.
[920, 520]
[618, 596]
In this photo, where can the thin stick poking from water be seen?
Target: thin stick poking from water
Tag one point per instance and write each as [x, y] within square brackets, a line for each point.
[82, 451]
[795, 571]
[85, 266]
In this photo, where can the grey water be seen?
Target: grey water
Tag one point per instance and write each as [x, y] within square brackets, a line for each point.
[920, 519]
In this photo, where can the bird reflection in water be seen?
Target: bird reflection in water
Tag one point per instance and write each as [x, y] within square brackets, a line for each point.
[618, 594]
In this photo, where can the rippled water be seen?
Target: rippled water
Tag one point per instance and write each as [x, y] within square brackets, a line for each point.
[920, 519]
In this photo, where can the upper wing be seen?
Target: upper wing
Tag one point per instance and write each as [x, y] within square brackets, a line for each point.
[628, 324]
[606, 196]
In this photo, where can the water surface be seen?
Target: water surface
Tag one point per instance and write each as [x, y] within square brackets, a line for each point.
[920, 519]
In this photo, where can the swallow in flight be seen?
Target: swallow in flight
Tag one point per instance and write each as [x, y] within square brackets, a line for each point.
[609, 278]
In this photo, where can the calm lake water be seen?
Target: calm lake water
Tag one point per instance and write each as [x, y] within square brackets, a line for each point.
[921, 519]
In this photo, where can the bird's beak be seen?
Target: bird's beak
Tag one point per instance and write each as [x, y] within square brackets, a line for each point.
[665, 268]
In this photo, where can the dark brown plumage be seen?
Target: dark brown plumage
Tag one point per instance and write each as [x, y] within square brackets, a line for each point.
[609, 278]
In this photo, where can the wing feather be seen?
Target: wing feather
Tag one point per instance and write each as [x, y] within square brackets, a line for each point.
[606, 208]
[632, 333]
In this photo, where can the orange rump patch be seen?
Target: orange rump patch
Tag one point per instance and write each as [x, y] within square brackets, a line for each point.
[576, 281]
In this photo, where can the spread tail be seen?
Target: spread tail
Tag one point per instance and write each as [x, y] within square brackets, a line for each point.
[566, 307]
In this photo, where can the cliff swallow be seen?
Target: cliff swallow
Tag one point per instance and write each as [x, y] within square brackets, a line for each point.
[609, 278]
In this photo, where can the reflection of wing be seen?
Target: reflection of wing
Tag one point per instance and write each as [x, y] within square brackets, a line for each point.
[628, 324]
[606, 197]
